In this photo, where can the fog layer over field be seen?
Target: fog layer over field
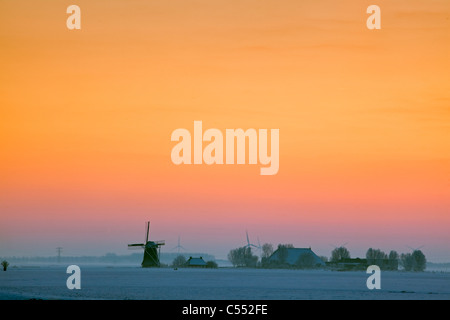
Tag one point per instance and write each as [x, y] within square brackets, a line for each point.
[100, 282]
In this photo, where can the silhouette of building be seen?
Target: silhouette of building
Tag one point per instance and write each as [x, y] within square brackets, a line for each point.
[196, 262]
[151, 257]
[151, 250]
[295, 257]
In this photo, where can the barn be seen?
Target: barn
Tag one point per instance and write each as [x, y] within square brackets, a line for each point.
[295, 257]
[196, 263]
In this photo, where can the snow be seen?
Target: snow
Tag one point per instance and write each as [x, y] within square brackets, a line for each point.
[115, 282]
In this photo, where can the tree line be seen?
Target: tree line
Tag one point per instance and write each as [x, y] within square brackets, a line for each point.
[415, 261]
[244, 257]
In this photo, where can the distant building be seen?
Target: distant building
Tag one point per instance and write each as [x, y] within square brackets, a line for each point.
[196, 262]
[294, 257]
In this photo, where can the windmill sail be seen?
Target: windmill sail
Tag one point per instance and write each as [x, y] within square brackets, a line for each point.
[179, 246]
[148, 230]
[140, 245]
[248, 245]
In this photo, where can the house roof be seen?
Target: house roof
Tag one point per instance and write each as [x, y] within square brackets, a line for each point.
[196, 262]
[293, 254]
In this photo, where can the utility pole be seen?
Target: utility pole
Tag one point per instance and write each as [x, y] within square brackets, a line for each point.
[59, 249]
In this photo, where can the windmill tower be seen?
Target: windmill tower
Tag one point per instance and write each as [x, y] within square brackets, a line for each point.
[152, 250]
[58, 250]
[260, 248]
[179, 246]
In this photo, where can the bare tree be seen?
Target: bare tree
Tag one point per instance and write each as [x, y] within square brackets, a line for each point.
[267, 250]
[234, 257]
[242, 257]
[375, 256]
[406, 261]
[393, 255]
[393, 260]
[414, 262]
[179, 261]
[339, 253]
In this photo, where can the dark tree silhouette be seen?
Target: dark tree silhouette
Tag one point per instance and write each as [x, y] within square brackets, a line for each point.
[414, 262]
[393, 260]
[242, 257]
[179, 261]
[5, 265]
[211, 264]
[267, 250]
[406, 261]
[375, 256]
[340, 253]
[283, 252]
[306, 261]
[393, 255]
[420, 262]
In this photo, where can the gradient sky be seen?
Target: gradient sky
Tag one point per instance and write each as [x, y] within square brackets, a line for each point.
[86, 118]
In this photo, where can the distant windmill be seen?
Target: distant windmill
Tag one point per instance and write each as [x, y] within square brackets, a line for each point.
[259, 247]
[58, 250]
[415, 249]
[152, 250]
[342, 245]
[249, 245]
[179, 246]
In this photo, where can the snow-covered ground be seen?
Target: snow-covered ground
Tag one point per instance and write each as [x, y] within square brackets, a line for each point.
[101, 282]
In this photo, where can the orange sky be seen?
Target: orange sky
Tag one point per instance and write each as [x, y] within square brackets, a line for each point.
[86, 118]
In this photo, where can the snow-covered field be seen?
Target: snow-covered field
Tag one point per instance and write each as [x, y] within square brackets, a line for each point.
[100, 282]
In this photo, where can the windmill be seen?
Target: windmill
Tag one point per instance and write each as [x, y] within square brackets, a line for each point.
[152, 250]
[58, 250]
[415, 249]
[342, 245]
[179, 246]
[259, 247]
[250, 245]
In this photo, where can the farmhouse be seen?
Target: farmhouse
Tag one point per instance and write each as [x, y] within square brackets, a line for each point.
[196, 263]
[295, 257]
